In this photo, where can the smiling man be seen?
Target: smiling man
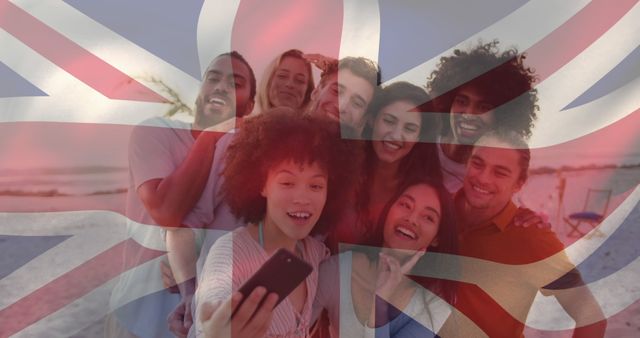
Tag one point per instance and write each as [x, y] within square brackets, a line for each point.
[496, 170]
[228, 90]
[345, 90]
[169, 165]
[480, 90]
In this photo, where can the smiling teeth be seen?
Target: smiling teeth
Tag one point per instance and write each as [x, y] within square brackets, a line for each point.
[299, 214]
[406, 232]
[391, 145]
[480, 190]
[217, 101]
[468, 126]
[331, 115]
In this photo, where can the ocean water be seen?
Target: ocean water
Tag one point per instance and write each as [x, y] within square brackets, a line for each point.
[81, 181]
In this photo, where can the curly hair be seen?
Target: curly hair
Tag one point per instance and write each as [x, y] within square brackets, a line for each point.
[280, 135]
[263, 93]
[501, 77]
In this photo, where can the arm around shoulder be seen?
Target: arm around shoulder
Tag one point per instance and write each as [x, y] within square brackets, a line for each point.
[169, 185]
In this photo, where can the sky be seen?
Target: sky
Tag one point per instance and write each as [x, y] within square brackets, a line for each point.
[70, 100]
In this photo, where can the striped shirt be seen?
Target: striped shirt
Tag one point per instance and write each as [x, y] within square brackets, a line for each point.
[235, 257]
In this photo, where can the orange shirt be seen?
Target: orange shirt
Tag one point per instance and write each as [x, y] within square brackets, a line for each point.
[499, 241]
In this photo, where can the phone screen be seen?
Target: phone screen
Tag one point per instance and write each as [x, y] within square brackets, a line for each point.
[282, 273]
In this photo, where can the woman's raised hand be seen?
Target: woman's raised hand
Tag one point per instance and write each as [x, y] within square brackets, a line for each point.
[322, 62]
[391, 272]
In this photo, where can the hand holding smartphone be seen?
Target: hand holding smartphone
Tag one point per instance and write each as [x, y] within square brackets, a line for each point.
[250, 321]
[281, 274]
[252, 306]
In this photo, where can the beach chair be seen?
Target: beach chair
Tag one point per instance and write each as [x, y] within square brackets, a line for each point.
[592, 214]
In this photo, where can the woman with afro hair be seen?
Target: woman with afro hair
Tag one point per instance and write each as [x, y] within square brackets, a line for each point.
[286, 175]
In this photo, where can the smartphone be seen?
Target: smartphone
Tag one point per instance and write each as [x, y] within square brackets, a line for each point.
[282, 273]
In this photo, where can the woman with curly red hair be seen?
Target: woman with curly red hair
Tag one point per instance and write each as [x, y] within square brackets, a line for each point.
[286, 176]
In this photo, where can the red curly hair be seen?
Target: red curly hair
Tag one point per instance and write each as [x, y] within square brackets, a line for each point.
[283, 134]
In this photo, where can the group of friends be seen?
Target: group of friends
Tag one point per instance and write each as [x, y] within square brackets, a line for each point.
[401, 198]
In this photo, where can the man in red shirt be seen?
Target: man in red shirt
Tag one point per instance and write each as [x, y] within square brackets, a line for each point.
[530, 259]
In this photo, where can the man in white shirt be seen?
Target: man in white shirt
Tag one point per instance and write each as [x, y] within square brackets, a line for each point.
[170, 162]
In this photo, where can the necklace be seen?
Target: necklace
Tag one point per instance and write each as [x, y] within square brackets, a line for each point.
[261, 234]
[261, 239]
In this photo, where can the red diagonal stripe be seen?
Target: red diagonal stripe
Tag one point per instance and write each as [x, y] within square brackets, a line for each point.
[563, 44]
[71, 286]
[575, 35]
[264, 29]
[74, 59]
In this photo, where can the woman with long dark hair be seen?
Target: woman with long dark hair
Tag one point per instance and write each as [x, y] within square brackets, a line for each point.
[418, 218]
[398, 149]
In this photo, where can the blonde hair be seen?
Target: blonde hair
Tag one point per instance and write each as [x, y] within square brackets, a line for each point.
[264, 103]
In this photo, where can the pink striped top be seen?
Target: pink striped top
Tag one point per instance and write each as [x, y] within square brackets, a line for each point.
[235, 257]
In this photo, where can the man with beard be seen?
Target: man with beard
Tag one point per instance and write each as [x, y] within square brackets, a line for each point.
[480, 90]
[169, 165]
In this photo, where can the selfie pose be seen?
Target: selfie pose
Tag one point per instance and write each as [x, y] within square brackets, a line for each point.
[285, 175]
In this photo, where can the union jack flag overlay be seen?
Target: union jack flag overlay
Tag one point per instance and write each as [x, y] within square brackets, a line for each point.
[76, 76]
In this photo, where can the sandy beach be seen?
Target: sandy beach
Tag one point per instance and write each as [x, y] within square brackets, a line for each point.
[42, 216]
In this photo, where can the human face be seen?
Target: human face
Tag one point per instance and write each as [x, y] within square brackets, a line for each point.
[493, 176]
[396, 129]
[226, 89]
[413, 220]
[295, 195]
[289, 83]
[471, 116]
[344, 97]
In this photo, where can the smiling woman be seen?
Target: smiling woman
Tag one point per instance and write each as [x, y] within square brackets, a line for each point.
[286, 175]
[287, 82]
[419, 217]
[396, 151]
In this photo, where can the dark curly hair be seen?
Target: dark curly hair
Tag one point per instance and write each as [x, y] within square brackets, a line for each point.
[283, 134]
[421, 161]
[501, 77]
